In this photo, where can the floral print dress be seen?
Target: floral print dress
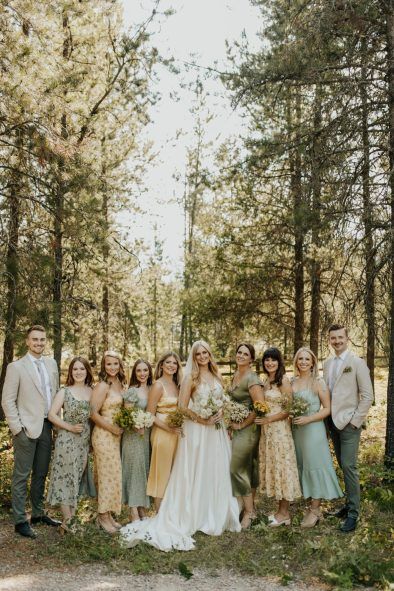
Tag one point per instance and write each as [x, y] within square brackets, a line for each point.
[278, 464]
[70, 459]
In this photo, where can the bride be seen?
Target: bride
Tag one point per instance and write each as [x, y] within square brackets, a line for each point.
[198, 495]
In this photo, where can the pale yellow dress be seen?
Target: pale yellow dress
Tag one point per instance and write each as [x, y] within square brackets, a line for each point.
[107, 459]
[164, 446]
[277, 457]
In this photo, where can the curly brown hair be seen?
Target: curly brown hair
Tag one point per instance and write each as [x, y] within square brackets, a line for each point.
[121, 373]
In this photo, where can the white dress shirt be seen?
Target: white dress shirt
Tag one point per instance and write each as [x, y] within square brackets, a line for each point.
[336, 367]
[48, 391]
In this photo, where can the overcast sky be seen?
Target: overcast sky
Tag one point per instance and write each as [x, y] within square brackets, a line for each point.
[196, 33]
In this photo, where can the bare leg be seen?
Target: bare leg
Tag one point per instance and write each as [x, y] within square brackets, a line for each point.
[104, 520]
[157, 504]
[248, 513]
[283, 510]
[141, 512]
[133, 514]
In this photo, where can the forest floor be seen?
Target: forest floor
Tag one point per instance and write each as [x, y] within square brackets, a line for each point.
[259, 559]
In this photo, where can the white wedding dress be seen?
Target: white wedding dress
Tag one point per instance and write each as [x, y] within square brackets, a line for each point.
[198, 495]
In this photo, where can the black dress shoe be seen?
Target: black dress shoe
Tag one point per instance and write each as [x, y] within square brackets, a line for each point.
[341, 513]
[349, 524]
[25, 530]
[46, 520]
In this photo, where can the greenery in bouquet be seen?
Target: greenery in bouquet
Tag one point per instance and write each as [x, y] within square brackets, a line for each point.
[296, 406]
[79, 414]
[125, 418]
[176, 418]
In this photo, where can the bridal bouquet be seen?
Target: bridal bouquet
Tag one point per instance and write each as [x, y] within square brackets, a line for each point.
[208, 407]
[296, 407]
[143, 419]
[235, 412]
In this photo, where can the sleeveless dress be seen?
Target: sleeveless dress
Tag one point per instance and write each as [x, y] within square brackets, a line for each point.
[70, 458]
[135, 458]
[245, 443]
[164, 446]
[316, 471]
[107, 463]
[278, 464]
[198, 495]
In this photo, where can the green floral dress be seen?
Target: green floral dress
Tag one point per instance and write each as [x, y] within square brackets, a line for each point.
[70, 460]
[245, 443]
[135, 458]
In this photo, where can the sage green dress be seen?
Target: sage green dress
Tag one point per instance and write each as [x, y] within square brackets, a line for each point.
[70, 470]
[245, 443]
[135, 458]
[315, 468]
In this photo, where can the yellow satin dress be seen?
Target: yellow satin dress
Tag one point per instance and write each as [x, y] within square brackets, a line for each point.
[107, 459]
[164, 446]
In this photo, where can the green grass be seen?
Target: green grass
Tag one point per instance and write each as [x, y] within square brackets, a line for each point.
[344, 561]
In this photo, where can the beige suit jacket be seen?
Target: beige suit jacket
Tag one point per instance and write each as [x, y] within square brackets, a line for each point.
[23, 400]
[352, 393]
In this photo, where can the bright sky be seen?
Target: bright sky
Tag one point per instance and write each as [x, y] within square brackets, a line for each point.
[195, 33]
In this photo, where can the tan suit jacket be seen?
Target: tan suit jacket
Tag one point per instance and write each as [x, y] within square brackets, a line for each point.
[23, 400]
[352, 393]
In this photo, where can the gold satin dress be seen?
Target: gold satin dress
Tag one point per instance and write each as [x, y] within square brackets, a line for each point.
[107, 459]
[164, 446]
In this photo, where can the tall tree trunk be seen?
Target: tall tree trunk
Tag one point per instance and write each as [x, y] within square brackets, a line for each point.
[316, 164]
[369, 249]
[389, 450]
[12, 274]
[105, 284]
[294, 104]
[58, 221]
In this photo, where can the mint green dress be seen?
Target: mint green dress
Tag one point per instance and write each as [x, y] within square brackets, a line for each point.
[245, 443]
[135, 458]
[315, 468]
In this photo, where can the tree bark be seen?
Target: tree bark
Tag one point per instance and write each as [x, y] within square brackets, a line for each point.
[12, 274]
[389, 449]
[316, 163]
[369, 248]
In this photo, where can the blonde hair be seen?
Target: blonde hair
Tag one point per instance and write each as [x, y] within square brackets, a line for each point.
[121, 374]
[315, 366]
[177, 377]
[212, 365]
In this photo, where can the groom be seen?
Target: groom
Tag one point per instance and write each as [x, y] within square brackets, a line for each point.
[29, 387]
[351, 396]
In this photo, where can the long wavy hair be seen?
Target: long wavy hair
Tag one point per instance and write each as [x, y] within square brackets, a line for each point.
[212, 365]
[274, 353]
[314, 368]
[121, 374]
[177, 377]
[86, 364]
[133, 378]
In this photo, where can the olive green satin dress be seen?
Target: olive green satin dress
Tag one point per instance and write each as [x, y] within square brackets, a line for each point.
[245, 443]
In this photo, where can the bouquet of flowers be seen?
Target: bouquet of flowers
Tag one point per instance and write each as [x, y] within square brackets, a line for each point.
[296, 406]
[79, 414]
[124, 418]
[143, 419]
[261, 408]
[176, 418]
[208, 407]
[235, 412]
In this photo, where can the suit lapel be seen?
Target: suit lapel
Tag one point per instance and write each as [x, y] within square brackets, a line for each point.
[33, 374]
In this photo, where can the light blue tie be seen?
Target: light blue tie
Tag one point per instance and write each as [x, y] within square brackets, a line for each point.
[38, 363]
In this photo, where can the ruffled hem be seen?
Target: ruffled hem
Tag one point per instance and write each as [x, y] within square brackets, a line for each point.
[320, 484]
[132, 534]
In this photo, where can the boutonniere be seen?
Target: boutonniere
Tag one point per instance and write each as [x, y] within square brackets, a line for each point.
[347, 369]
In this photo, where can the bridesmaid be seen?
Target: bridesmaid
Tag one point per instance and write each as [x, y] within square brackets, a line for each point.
[106, 400]
[135, 446]
[278, 464]
[315, 467]
[70, 459]
[163, 398]
[245, 388]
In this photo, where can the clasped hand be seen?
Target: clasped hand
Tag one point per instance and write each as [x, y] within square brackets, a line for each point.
[262, 420]
[301, 421]
[76, 428]
[215, 418]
